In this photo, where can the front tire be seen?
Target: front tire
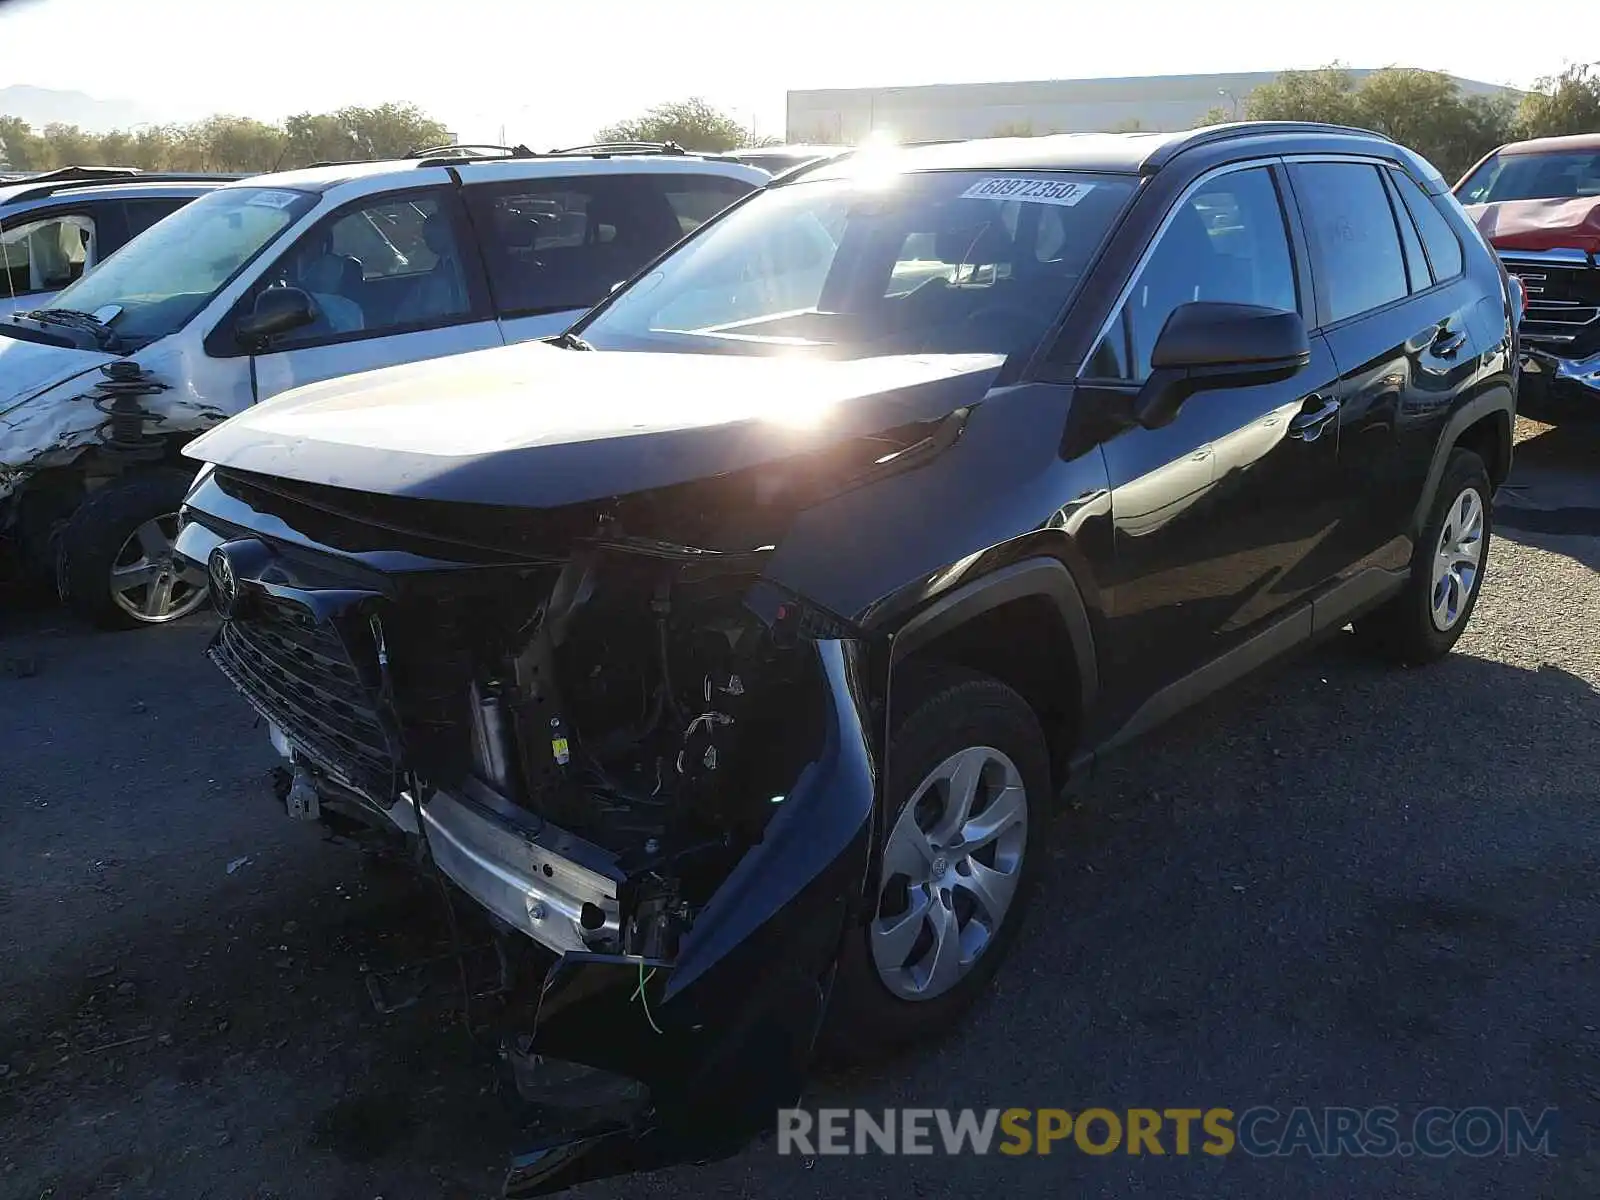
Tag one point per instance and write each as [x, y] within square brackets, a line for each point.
[115, 566]
[969, 779]
[1424, 621]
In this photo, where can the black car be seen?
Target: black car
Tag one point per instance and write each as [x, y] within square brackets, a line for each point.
[731, 649]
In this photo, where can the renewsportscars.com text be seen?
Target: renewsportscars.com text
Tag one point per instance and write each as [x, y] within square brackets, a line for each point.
[1260, 1131]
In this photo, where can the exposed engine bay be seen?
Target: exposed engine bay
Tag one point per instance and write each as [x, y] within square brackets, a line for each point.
[639, 708]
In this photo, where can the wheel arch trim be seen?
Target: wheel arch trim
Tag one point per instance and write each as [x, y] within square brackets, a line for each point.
[1496, 401]
[1044, 577]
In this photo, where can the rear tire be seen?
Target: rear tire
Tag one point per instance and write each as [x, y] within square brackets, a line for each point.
[1424, 621]
[892, 988]
[114, 565]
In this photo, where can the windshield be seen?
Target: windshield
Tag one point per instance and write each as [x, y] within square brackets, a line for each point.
[167, 274]
[1565, 176]
[941, 262]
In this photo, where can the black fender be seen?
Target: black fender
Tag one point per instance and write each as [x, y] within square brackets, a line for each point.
[1498, 399]
[1041, 576]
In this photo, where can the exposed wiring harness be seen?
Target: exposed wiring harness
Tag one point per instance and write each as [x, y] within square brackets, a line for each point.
[643, 999]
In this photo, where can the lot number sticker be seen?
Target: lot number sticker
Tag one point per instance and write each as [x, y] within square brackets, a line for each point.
[1064, 192]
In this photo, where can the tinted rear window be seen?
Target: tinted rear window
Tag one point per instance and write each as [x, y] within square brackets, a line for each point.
[1359, 264]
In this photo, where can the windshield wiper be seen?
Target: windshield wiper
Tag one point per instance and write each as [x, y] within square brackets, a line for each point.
[74, 319]
[570, 341]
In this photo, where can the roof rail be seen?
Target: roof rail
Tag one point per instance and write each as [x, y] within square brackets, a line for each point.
[470, 150]
[601, 149]
[1210, 134]
[40, 186]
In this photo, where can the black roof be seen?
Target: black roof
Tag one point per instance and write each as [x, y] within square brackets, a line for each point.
[1112, 153]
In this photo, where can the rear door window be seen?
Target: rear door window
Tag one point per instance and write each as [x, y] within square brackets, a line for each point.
[695, 199]
[1356, 252]
[562, 243]
[141, 214]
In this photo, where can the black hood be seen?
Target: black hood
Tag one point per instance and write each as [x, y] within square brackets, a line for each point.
[536, 426]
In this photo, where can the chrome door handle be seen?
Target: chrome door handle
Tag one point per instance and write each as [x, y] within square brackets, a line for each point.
[1447, 343]
[1308, 426]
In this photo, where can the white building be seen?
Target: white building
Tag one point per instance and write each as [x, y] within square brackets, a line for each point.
[965, 110]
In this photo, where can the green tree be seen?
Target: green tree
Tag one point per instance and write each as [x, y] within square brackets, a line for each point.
[1215, 115]
[391, 130]
[1426, 111]
[70, 146]
[1560, 104]
[1328, 95]
[225, 143]
[693, 124]
[20, 147]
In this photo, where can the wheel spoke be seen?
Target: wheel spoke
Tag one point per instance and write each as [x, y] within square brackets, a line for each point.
[153, 540]
[134, 575]
[907, 852]
[158, 596]
[992, 889]
[944, 960]
[1004, 812]
[893, 937]
[963, 790]
[189, 573]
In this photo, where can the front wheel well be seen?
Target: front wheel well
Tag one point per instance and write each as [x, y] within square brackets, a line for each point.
[1025, 644]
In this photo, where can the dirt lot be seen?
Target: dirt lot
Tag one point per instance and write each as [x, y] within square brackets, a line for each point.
[1339, 885]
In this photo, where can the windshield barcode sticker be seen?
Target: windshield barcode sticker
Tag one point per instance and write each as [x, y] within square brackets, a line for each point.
[1065, 192]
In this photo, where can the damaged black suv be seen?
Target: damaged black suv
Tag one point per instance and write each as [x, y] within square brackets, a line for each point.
[731, 649]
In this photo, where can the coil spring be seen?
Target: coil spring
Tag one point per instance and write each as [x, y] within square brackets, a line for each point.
[129, 427]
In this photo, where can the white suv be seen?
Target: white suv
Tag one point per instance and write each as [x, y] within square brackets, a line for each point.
[275, 281]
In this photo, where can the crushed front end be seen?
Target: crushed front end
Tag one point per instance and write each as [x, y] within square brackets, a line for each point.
[634, 752]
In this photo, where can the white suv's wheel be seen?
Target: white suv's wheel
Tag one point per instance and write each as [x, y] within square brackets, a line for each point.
[116, 565]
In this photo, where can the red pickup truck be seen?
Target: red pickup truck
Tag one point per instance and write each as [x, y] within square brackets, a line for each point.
[1538, 205]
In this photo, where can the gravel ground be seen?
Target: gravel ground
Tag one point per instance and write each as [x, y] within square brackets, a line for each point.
[1338, 885]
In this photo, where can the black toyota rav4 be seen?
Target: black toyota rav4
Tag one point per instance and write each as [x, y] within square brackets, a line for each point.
[731, 650]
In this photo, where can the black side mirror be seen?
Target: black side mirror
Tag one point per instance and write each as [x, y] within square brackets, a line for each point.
[277, 310]
[1209, 344]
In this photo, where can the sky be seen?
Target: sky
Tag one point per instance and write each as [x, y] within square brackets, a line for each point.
[551, 73]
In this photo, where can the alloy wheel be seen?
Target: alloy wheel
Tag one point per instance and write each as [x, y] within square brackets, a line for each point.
[951, 866]
[1457, 559]
[147, 581]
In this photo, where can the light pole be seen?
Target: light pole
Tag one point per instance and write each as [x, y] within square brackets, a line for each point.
[1232, 98]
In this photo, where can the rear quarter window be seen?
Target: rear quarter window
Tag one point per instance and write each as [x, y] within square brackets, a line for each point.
[1444, 248]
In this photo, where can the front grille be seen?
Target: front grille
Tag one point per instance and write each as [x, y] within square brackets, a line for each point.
[297, 673]
[1563, 305]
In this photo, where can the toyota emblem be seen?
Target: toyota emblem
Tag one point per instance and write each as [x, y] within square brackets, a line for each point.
[224, 583]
